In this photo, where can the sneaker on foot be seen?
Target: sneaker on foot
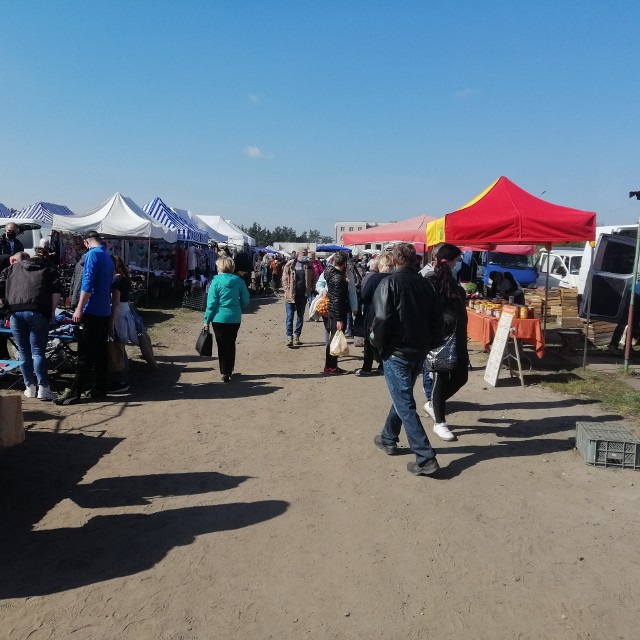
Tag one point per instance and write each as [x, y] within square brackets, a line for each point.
[389, 449]
[226, 378]
[290, 341]
[296, 341]
[442, 431]
[30, 391]
[94, 394]
[364, 372]
[427, 469]
[68, 396]
[334, 371]
[428, 407]
[119, 388]
[45, 393]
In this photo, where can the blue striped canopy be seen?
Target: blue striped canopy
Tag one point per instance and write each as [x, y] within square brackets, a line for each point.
[44, 212]
[187, 232]
[4, 212]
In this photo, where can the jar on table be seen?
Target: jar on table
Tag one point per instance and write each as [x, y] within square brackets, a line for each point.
[523, 313]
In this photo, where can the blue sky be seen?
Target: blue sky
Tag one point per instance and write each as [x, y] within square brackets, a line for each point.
[304, 113]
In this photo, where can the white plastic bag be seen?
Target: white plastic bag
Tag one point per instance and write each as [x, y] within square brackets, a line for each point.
[339, 345]
[313, 314]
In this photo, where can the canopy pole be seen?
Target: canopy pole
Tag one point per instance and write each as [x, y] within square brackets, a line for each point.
[590, 281]
[546, 294]
[148, 264]
[634, 280]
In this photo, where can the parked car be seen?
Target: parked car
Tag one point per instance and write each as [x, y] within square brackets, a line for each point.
[608, 289]
[564, 266]
[481, 263]
[30, 232]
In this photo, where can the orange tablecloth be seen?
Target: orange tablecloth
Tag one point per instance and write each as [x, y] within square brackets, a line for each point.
[482, 329]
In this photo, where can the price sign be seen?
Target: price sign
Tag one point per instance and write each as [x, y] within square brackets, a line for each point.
[498, 348]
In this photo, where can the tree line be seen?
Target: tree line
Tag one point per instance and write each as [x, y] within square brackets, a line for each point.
[264, 236]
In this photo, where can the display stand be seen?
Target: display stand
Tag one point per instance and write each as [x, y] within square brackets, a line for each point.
[497, 356]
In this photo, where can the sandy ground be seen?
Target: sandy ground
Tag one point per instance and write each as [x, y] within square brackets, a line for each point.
[192, 509]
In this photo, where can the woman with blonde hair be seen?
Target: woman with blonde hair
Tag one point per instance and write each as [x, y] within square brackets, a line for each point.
[228, 293]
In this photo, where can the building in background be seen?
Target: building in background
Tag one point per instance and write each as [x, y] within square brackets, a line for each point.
[349, 226]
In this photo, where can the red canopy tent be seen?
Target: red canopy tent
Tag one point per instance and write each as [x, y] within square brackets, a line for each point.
[507, 214]
[412, 230]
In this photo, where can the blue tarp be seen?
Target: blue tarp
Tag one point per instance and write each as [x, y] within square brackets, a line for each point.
[332, 247]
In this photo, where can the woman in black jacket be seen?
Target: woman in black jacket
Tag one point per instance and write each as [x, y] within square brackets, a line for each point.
[338, 292]
[452, 297]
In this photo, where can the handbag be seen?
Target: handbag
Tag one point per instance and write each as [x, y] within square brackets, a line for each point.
[443, 357]
[115, 356]
[204, 343]
[339, 345]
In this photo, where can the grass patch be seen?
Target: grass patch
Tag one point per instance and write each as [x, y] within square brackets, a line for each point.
[609, 389]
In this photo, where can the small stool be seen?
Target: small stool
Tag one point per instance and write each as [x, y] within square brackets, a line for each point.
[569, 338]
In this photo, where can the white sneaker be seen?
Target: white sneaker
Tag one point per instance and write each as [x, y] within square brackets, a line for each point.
[45, 393]
[442, 431]
[30, 391]
[428, 407]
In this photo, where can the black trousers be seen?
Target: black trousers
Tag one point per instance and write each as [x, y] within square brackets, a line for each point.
[92, 353]
[226, 334]
[331, 362]
[446, 384]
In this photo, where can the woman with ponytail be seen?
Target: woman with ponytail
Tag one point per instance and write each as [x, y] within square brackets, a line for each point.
[446, 383]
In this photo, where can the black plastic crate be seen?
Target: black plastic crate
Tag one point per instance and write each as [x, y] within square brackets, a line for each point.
[608, 445]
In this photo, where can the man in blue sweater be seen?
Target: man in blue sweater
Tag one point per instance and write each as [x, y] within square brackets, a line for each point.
[93, 311]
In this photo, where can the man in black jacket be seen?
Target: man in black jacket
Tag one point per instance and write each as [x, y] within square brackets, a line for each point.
[31, 291]
[9, 243]
[407, 321]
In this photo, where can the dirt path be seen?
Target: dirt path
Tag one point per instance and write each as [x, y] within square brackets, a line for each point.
[261, 509]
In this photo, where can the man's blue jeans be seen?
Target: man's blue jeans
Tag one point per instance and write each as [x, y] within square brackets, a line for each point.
[427, 381]
[297, 308]
[401, 376]
[31, 331]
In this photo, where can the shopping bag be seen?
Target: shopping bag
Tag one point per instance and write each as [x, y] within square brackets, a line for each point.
[115, 358]
[313, 313]
[339, 345]
[322, 306]
[11, 422]
[146, 350]
[204, 344]
[443, 357]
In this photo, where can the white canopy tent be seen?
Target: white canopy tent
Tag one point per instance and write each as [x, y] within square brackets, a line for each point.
[191, 217]
[119, 217]
[4, 211]
[227, 228]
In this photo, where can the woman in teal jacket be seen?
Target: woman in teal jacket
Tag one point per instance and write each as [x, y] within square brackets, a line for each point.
[227, 295]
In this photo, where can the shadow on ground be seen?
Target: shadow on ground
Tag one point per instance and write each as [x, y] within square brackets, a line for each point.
[48, 468]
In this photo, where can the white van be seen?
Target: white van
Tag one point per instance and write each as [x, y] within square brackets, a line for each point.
[30, 232]
[619, 231]
[564, 266]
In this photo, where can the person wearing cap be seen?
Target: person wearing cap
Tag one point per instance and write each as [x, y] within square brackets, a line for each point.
[93, 311]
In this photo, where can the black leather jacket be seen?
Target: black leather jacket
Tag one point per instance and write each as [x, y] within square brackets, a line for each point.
[338, 291]
[407, 316]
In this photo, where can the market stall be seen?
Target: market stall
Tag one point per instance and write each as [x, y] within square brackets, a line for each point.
[411, 230]
[482, 327]
[127, 230]
[504, 213]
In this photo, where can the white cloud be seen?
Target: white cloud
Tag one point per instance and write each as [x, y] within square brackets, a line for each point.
[466, 93]
[253, 152]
